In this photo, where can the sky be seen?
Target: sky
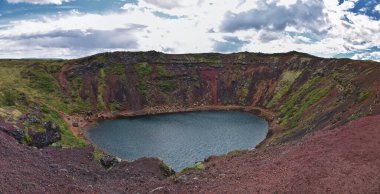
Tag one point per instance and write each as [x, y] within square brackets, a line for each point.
[77, 28]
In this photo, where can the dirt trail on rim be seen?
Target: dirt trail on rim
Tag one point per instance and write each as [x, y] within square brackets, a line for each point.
[61, 78]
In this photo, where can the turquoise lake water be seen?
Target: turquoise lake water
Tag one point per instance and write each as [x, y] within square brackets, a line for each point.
[179, 139]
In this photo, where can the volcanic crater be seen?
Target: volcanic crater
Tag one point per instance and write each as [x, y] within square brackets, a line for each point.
[323, 117]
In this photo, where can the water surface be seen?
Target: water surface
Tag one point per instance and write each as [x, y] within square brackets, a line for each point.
[179, 139]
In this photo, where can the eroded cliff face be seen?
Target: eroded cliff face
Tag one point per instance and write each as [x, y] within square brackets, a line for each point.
[304, 91]
[40, 100]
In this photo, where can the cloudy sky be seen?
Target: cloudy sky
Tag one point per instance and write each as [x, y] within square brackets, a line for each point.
[76, 28]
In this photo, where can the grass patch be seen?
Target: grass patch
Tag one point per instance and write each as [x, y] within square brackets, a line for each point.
[68, 139]
[33, 82]
[143, 71]
[118, 70]
[41, 77]
[115, 106]
[10, 112]
[8, 98]
[312, 98]
[286, 81]
[213, 59]
[354, 116]
[26, 139]
[166, 170]
[98, 154]
[196, 166]
[101, 105]
[306, 96]
[76, 85]
[167, 85]
[163, 72]
[362, 96]
[244, 93]
[77, 105]
[234, 152]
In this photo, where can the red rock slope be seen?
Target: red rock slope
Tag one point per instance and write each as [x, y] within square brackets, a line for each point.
[342, 160]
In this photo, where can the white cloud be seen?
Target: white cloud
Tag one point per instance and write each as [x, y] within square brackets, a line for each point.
[377, 8]
[167, 4]
[196, 27]
[286, 3]
[274, 16]
[367, 56]
[170, 4]
[41, 2]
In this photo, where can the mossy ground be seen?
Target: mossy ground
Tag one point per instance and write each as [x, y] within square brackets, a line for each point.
[143, 71]
[295, 107]
[196, 166]
[286, 81]
[29, 84]
[362, 96]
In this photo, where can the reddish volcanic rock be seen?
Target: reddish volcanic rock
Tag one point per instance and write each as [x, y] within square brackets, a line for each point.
[342, 160]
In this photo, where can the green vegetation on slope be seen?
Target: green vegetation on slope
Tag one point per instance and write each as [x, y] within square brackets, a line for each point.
[101, 87]
[68, 139]
[7, 98]
[163, 72]
[29, 85]
[77, 105]
[196, 166]
[286, 81]
[166, 83]
[362, 96]
[100, 83]
[143, 71]
[244, 93]
[293, 108]
[117, 70]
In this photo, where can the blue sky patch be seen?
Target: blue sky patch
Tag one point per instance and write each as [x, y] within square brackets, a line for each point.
[366, 52]
[366, 7]
[27, 10]
[310, 36]
[167, 16]
[230, 44]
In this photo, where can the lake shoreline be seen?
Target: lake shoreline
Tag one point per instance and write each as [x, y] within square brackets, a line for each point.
[80, 124]
[179, 139]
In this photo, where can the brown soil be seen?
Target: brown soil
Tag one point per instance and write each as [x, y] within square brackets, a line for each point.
[342, 160]
[61, 78]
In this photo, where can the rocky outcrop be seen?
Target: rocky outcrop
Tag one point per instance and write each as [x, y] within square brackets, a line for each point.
[15, 133]
[108, 161]
[51, 135]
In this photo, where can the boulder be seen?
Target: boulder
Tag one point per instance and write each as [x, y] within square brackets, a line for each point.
[89, 113]
[32, 119]
[44, 139]
[18, 134]
[75, 124]
[108, 161]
